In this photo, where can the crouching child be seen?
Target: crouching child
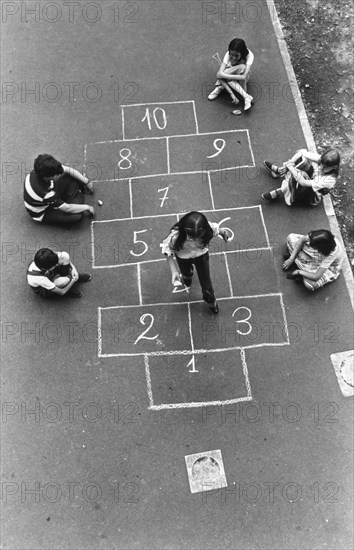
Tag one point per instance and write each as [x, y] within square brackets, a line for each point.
[51, 274]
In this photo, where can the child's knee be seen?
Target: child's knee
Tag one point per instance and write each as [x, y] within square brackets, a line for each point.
[240, 69]
[65, 258]
[61, 282]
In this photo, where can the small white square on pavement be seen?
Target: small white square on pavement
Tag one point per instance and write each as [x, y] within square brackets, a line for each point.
[205, 471]
[343, 363]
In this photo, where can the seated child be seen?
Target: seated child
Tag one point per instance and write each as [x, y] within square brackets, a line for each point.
[52, 274]
[234, 72]
[307, 177]
[53, 192]
[318, 256]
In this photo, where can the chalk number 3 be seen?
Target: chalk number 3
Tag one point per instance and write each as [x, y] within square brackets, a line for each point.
[245, 321]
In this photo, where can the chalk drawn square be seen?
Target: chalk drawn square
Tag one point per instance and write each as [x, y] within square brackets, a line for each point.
[343, 364]
[205, 471]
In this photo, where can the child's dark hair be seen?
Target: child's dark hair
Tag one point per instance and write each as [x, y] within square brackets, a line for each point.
[331, 159]
[323, 241]
[239, 45]
[45, 259]
[47, 166]
[195, 225]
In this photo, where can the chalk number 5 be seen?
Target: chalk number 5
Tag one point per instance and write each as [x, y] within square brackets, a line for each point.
[136, 241]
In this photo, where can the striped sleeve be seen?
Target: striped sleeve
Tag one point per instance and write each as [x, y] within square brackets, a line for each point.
[37, 198]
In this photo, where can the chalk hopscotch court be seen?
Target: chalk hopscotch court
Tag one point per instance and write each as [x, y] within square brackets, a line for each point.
[171, 144]
[195, 354]
[163, 168]
[246, 224]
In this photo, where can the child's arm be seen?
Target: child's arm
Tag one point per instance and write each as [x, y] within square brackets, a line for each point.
[227, 74]
[62, 291]
[298, 177]
[77, 175]
[76, 208]
[70, 272]
[225, 233]
[249, 63]
[308, 275]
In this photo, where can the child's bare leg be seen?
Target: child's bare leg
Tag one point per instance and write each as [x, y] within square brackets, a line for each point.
[238, 88]
[217, 90]
[226, 85]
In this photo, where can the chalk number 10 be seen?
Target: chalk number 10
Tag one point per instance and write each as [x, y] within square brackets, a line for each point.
[158, 117]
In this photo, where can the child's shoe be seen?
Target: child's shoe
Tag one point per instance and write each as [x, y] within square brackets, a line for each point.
[248, 102]
[74, 293]
[214, 94]
[272, 196]
[296, 278]
[214, 308]
[84, 278]
[176, 281]
[272, 168]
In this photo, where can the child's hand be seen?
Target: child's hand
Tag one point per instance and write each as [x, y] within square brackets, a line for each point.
[287, 264]
[90, 187]
[226, 235]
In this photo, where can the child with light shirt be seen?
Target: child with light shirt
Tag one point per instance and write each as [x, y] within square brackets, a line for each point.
[317, 256]
[188, 242]
[307, 176]
[234, 72]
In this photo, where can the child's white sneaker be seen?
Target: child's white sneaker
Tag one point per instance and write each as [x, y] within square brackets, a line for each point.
[214, 94]
[248, 102]
[176, 281]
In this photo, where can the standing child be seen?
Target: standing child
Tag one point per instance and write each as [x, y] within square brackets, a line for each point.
[318, 257]
[304, 183]
[235, 71]
[188, 242]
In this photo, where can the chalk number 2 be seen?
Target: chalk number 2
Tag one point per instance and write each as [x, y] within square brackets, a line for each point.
[143, 319]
